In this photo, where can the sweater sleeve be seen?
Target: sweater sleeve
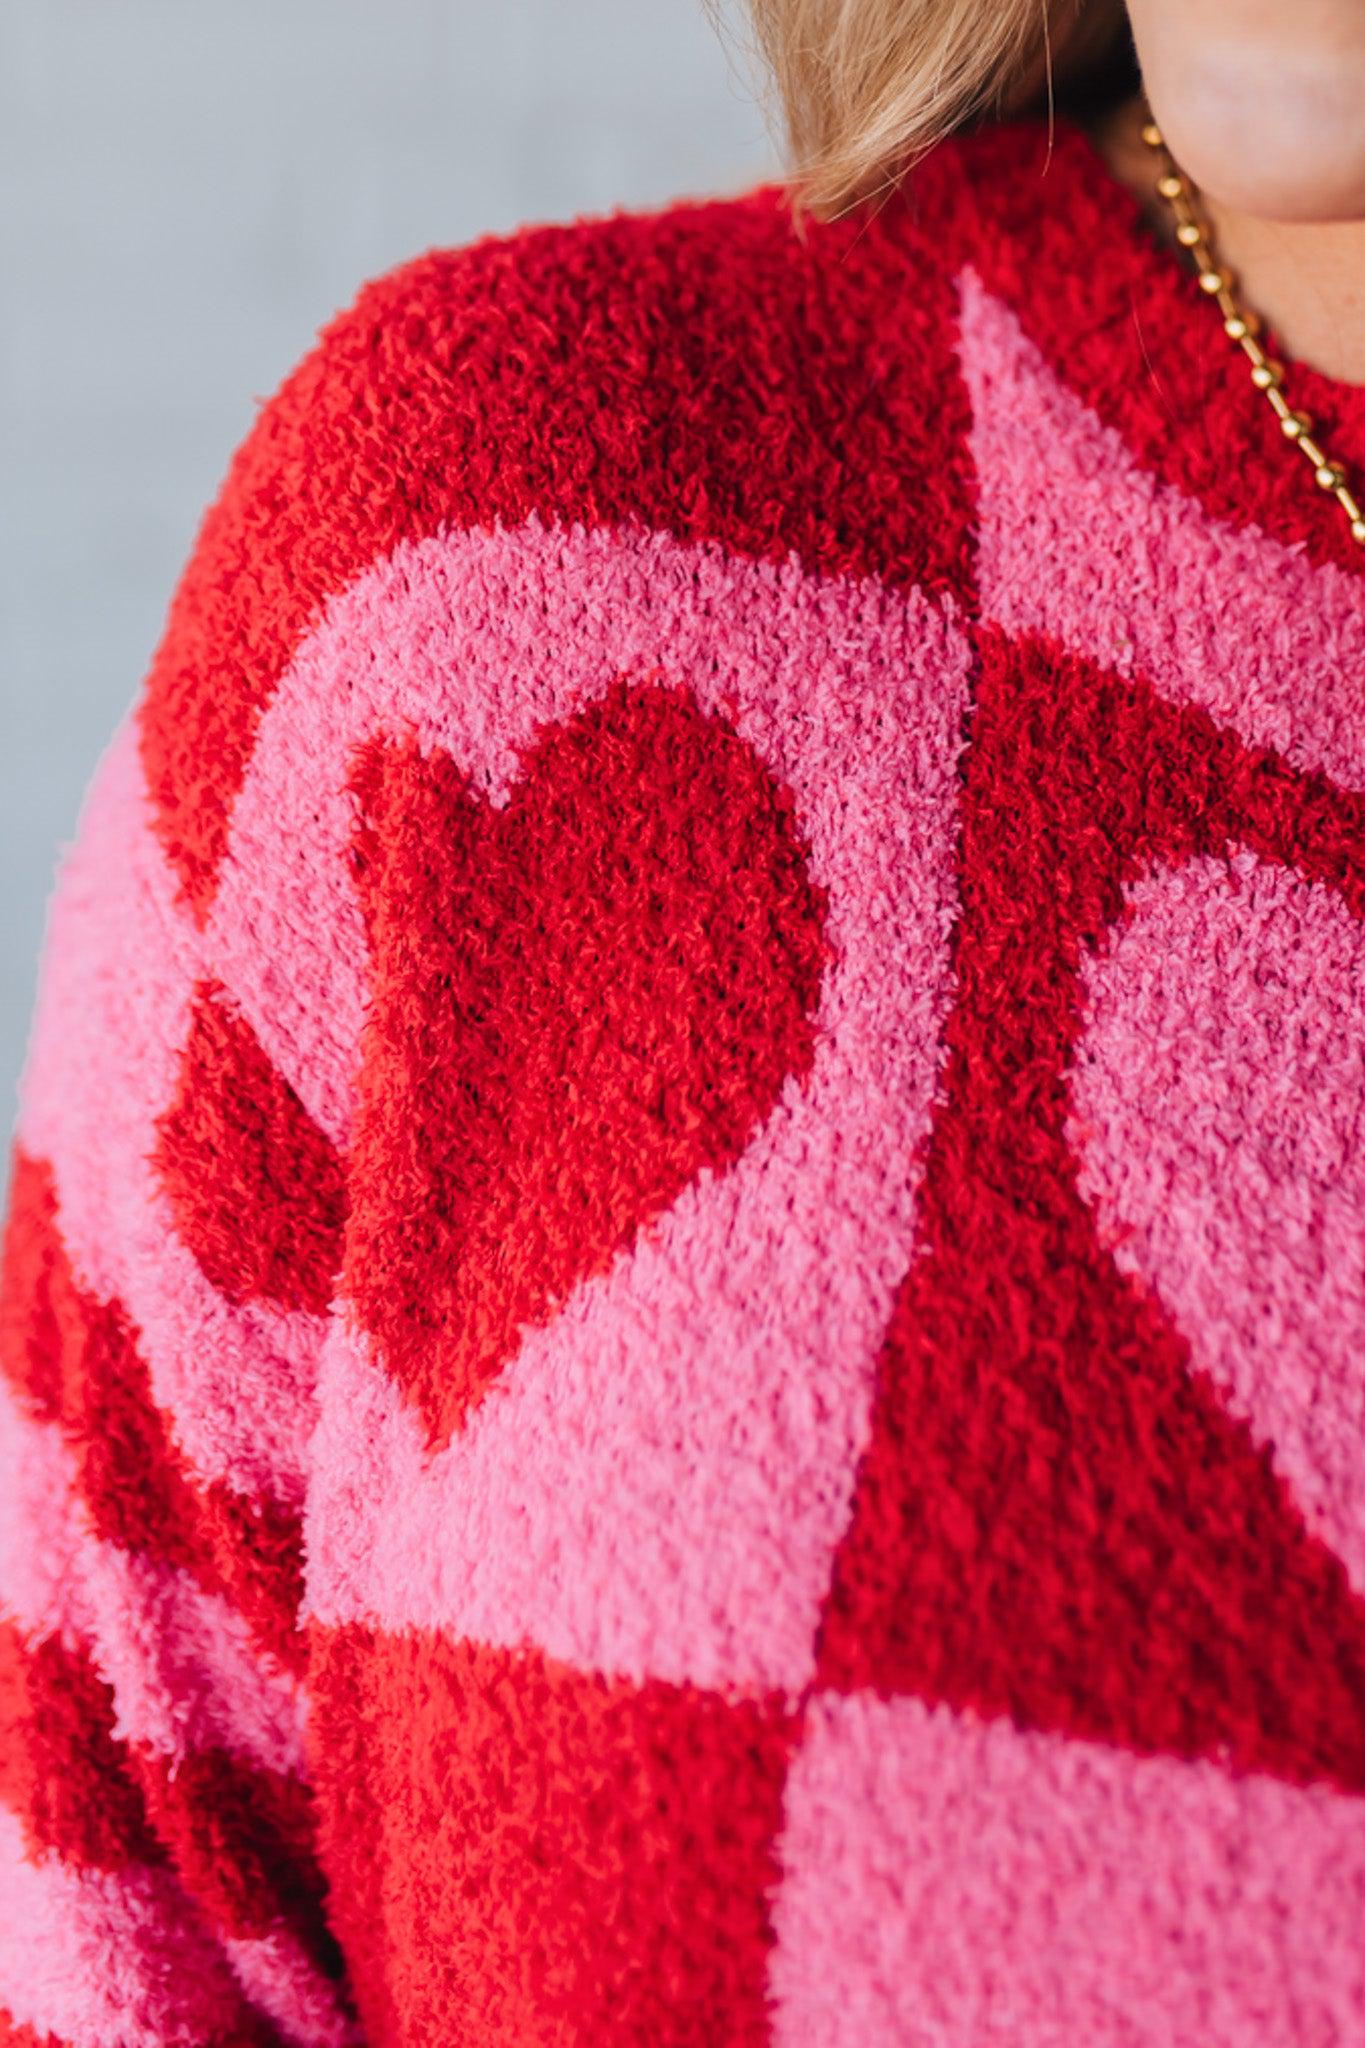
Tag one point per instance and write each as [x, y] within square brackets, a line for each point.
[157, 1879]
[173, 1229]
[175, 1226]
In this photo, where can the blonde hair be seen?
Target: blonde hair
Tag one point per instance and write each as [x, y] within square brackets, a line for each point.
[866, 86]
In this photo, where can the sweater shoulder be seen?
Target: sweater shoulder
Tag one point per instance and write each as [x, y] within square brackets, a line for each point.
[631, 266]
[571, 358]
[643, 364]
[706, 370]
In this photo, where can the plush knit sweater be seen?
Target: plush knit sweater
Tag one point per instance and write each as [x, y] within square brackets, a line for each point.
[684, 1313]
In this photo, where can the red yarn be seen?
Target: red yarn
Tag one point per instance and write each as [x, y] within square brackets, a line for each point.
[521, 1852]
[579, 1003]
[259, 1197]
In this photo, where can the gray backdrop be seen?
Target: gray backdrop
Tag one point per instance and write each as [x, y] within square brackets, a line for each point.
[187, 189]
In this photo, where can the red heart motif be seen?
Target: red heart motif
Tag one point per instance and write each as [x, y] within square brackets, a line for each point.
[580, 1001]
[258, 1193]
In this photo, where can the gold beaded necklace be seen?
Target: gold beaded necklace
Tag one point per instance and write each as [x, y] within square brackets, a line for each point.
[1242, 327]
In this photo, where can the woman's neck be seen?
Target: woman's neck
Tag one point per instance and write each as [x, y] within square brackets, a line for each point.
[1306, 278]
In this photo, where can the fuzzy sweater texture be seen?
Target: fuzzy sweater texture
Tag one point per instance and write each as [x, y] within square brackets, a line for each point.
[684, 1305]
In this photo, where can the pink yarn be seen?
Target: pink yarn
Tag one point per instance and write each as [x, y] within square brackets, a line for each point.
[954, 1884]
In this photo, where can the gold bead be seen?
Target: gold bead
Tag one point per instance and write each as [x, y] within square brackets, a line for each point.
[1242, 326]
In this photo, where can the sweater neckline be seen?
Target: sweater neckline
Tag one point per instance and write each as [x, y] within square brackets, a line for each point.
[1316, 387]
[1054, 232]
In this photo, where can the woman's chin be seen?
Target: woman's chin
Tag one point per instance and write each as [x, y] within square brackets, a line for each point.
[1270, 137]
